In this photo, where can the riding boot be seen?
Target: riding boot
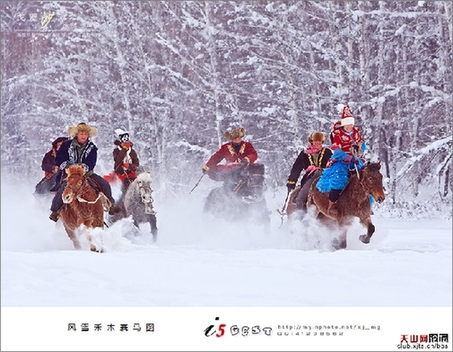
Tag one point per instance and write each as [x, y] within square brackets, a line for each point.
[53, 216]
[332, 208]
[57, 203]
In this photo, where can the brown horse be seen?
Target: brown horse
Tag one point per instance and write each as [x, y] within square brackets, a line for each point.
[354, 201]
[83, 205]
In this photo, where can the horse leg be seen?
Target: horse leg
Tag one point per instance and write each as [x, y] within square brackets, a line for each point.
[343, 225]
[93, 247]
[153, 224]
[370, 231]
[72, 235]
[340, 243]
[89, 225]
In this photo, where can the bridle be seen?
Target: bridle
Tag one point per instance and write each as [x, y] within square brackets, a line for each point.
[145, 189]
[77, 196]
[364, 183]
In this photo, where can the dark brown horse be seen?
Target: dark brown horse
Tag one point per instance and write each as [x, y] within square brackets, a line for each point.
[83, 206]
[354, 201]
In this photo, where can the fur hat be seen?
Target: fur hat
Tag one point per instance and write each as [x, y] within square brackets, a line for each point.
[82, 127]
[235, 133]
[59, 140]
[346, 116]
[316, 136]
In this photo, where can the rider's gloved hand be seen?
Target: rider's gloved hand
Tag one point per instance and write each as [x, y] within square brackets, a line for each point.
[65, 164]
[348, 159]
[86, 167]
[244, 162]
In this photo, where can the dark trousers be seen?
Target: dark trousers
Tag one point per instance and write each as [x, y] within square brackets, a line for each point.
[334, 194]
[302, 196]
[57, 201]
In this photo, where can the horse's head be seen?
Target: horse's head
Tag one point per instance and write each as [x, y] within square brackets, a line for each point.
[74, 181]
[143, 184]
[371, 178]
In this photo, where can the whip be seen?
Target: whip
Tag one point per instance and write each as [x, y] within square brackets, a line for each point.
[196, 185]
[283, 211]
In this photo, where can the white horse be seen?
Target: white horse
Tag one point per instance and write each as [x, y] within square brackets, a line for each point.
[138, 202]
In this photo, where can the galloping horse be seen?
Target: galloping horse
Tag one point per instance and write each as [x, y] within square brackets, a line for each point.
[353, 202]
[83, 205]
[138, 202]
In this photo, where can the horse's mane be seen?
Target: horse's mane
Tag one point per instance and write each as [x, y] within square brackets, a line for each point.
[144, 176]
[77, 170]
[373, 166]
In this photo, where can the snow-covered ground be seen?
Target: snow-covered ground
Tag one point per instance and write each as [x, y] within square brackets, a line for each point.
[202, 262]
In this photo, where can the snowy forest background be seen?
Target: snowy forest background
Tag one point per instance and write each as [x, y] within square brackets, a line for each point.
[177, 74]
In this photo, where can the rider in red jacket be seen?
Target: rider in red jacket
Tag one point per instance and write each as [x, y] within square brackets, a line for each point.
[236, 153]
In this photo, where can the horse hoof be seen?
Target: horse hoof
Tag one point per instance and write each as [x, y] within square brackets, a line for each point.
[337, 244]
[364, 238]
[94, 249]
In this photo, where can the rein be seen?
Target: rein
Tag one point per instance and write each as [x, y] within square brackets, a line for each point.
[364, 184]
[80, 199]
[150, 198]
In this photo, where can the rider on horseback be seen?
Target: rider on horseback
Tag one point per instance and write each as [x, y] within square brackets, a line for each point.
[311, 159]
[236, 153]
[79, 150]
[125, 159]
[348, 146]
[49, 167]
[240, 168]
[48, 162]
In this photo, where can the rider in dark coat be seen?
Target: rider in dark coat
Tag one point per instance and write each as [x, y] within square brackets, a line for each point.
[125, 159]
[311, 159]
[48, 162]
[79, 150]
[50, 169]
